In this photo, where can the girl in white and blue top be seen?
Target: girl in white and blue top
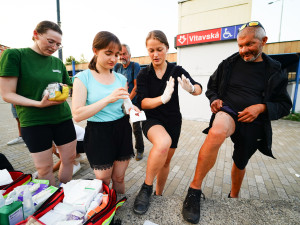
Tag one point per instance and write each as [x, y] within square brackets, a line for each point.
[98, 96]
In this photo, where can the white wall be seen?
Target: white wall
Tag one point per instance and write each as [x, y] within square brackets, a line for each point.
[282, 16]
[201, 61]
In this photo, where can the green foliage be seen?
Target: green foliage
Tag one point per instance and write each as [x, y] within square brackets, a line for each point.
[70, 59]
[293, 116]
[82, 59]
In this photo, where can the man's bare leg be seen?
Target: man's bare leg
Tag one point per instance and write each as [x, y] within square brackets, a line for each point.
[237, 177]
[223, 126]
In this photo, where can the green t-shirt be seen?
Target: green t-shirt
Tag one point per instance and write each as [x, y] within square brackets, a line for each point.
[35, 72]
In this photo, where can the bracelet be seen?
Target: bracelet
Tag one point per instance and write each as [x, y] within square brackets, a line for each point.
[194, 90]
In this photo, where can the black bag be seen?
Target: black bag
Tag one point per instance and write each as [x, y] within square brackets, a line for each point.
[4, 163]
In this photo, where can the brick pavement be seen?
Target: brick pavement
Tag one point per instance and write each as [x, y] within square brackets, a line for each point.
[266, 178]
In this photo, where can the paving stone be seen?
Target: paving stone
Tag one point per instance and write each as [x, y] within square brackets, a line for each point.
[266, 179]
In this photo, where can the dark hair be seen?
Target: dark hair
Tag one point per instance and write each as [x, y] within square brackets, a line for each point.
[44, 26]
[158, 35]
[101, 41]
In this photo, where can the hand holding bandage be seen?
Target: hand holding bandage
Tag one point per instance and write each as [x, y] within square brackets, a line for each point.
[166, 96]
[186, 84]
[57, 92]
[133, 111]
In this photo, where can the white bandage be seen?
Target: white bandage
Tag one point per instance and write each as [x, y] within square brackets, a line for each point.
[127, 105]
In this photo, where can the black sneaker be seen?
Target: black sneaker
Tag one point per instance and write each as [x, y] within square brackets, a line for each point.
[191, 205]
[142, 200]
[229, 195]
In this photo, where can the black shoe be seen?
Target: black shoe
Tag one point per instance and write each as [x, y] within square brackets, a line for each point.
[154, 193]
[142, 200]
[139, 156]
[191, 205]
[229, 195]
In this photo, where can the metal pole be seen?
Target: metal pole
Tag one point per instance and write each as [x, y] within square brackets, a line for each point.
[73, 68]
[59, 24]
[280, 21]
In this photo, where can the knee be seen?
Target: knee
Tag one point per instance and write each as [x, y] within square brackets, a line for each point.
[216, 134]
[118, 178]
[44, 170]
[69, 158]
[163, 146]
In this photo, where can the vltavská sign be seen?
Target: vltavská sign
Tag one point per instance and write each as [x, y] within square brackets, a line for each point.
[218, 34]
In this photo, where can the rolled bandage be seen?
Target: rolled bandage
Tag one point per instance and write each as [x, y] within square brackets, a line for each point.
[127, 105]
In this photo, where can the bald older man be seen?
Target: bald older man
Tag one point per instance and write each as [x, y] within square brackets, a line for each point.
[246, 92]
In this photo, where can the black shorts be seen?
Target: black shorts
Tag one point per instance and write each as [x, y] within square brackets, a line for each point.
[39, 138]
[247, 138]
[79, 147]
[173, 129]
[107, 142]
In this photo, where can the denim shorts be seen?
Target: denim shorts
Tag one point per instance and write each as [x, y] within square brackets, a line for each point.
[14, 111]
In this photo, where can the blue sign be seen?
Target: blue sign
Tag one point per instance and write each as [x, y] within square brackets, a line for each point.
[231, 32]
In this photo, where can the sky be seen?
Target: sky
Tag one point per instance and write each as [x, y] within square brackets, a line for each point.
[281, 15]
[130, 20]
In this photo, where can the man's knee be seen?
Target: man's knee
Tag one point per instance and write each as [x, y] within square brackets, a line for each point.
[217, 134]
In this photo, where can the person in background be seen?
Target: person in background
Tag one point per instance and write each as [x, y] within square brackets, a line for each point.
[130, 70]
[24, 74]
[98, 96]
[157, 94]
[246, 92]
[18, 139]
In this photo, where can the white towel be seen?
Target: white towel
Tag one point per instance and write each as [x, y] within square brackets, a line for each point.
[5, 177]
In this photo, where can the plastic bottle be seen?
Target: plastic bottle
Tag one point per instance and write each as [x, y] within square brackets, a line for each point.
[2, 201]
[28, 206]
[12, 211]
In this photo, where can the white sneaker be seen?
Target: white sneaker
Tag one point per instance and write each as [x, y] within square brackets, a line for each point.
[15, 141]
[76, 168]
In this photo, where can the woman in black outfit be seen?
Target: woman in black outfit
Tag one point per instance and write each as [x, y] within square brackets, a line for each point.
[157, 94]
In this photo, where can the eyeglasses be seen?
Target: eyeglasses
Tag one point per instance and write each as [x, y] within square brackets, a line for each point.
[52, 43]
[251, 24]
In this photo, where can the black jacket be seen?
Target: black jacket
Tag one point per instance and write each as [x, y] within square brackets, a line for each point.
[275, 96]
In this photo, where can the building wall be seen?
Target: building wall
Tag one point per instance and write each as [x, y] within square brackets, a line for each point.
[199, 15]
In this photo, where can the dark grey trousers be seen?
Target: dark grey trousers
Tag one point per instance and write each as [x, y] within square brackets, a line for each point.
[138, 134]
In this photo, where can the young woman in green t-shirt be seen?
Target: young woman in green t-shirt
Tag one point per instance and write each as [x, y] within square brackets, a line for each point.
[24, 74]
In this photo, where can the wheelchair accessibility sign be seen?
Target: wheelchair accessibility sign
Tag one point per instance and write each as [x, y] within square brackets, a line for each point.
[230, 32]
